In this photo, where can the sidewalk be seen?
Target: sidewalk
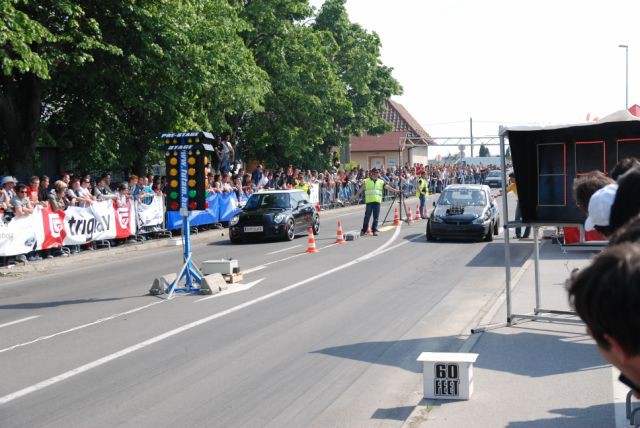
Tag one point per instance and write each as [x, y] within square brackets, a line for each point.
[534, 373]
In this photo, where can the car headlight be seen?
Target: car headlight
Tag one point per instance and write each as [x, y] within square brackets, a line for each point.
[436, 219]
[278, 218]
[234, 220]
[482, 219]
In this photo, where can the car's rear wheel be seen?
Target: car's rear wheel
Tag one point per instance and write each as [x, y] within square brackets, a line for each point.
[316, 225]
[290, 230]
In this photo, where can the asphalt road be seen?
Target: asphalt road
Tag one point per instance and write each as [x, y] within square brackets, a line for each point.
[325, 339]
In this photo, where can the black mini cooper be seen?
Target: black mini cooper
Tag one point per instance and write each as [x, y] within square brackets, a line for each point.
[274, 214]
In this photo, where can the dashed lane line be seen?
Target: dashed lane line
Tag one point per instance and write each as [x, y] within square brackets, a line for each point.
[7, 324]
[79, 327]
[284, 249]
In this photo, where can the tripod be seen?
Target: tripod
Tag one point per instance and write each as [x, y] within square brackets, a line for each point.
[401, 204]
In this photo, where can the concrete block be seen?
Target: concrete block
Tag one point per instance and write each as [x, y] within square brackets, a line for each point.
[212, 284]
[352, 235]
[174, 242]
[225, 267]
[160, 284]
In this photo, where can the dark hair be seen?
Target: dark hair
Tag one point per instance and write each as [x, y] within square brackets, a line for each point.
[626, 205]
[623, 166]
[630, 232]
[20, 187]
[606, 295]
[586, 185]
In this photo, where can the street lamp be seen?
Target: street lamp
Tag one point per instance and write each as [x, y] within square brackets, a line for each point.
[626, 78]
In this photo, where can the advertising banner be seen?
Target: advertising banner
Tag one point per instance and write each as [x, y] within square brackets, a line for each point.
[75, 226]
[151, 214]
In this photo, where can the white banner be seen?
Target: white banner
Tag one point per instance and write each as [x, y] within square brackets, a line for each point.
[52, 229]
[19, 235]
[314, 193]
[151, 214]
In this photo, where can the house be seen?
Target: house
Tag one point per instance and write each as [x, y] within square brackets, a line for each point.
[407, 142]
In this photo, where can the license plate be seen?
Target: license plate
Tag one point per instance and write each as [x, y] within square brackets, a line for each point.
[253, 228]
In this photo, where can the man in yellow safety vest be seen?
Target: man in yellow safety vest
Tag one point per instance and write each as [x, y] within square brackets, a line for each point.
[372, 187]
[301, 184]
[422, 192]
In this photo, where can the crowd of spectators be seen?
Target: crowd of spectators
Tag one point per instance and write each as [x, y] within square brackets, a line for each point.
[336, 186]
[20, 199]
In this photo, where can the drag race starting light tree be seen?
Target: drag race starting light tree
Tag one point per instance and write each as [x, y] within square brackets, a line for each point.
[186, 160]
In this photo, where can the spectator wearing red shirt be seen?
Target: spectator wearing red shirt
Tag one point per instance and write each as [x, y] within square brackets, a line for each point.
[32, 189]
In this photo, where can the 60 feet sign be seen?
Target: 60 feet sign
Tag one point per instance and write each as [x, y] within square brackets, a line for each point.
[446, 381]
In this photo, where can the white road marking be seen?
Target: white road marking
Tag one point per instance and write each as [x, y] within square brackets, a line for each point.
[19, 321]
[79, 327]
[254, 269]
[235, 288]
[285, 249]
[97, 363]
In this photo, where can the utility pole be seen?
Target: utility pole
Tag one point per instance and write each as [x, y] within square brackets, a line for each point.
[471, 134]
[626, 75]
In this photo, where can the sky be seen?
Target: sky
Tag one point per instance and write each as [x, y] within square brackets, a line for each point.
[505, 62]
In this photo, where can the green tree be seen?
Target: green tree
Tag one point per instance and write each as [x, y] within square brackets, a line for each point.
[183, 67]
[484, 151]
[35, 39]
[368, 82]
[326, 78]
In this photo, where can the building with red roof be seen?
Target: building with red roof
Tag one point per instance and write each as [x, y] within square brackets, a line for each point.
[383, 151]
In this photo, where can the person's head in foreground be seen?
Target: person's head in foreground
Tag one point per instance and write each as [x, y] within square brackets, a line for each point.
[606, 295]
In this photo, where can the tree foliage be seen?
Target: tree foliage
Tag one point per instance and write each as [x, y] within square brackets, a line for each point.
[484, 151]
[101, 80]
[35, 38]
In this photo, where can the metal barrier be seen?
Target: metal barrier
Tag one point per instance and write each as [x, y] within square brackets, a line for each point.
[336, 195]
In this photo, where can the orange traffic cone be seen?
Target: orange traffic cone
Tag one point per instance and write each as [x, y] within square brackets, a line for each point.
[396, 217]
[369, 232]
[418, 217]
[312, 243]
[340, 236]
[409, 219]
[318, 207]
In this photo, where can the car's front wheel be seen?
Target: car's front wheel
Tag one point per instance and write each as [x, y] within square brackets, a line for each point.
[430, 237]
[316, 225]
[496, 227]
[489, 236]
[290, 230]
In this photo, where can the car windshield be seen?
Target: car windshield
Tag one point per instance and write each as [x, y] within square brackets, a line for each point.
[464, 197]
[267, 200]
[494, 174]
